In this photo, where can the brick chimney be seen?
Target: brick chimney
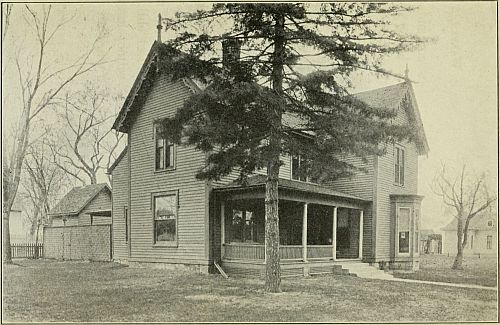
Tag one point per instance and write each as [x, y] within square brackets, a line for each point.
[230, 51]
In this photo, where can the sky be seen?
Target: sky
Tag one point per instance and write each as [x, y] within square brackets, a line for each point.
[454, 74]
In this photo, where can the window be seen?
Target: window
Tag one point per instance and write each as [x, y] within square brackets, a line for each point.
[165, 218]
[125, 216]
[299, 170]
[490, 223]
[245, 227]
[417, 230]
[164, 151]
[404, 230]
[399, 166]
[471, 241]
[489, 242]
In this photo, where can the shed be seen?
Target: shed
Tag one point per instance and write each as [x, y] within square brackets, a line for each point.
[85, 205]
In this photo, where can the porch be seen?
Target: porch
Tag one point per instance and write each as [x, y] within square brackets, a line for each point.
[318, 228]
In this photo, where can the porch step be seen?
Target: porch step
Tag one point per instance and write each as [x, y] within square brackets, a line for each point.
[362, 270]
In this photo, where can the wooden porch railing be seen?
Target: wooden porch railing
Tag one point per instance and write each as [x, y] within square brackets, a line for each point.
[289, 252]
[320, 251]
[244, 251]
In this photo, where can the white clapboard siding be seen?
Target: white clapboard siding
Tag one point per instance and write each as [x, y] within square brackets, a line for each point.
[386, 186]
[120, 184]
[163, 100]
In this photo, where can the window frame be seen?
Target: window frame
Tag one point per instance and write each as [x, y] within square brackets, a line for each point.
[410, 235]
[489, 242]
[173, 243]
[399, 165]
[166, 145]
[127, 225]
[300, 158]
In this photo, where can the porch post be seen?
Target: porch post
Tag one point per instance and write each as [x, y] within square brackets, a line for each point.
[222, 228]
[334, 234]
[360, 254]
[304, 233]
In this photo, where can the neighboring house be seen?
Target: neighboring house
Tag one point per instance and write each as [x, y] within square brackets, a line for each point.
[19, 226]
[87, 205]
[163, 214]
[482, 235]
[430, 242]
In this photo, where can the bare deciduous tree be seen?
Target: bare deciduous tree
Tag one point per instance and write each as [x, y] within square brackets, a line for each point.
[42, 186]
[89, 144]
[39, 82]
[468, 196]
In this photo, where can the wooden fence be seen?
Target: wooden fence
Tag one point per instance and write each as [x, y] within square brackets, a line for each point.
[91, 242]
[27, 250]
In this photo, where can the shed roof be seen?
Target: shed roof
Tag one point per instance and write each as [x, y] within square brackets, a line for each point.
[77, 199]
[118, 159]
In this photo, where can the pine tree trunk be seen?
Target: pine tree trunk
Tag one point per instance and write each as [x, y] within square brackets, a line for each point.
[273, 272]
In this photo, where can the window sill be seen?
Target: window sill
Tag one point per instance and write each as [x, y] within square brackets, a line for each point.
[166, 244]
[166, 170]
[399, 185]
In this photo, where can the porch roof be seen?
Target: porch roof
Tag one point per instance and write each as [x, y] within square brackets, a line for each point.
[259, 181]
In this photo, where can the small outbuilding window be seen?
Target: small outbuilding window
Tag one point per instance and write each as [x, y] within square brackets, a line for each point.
[165, 218]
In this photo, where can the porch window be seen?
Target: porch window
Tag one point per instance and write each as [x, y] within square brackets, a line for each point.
[489, 242]
[245, 227]
[404, 230]
[399, 166]
[164, 151]
[165, 218]
[299, 171]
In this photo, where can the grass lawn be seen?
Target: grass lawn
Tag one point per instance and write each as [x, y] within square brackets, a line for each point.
[44, 290]
[479, 271]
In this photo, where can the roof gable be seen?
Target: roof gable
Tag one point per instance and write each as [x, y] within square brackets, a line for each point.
[480, 222]
[77, 199]
[142, 84]
[394, 97]
[390, 97]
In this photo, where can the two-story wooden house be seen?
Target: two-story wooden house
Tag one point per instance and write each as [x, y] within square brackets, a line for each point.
[163, 214]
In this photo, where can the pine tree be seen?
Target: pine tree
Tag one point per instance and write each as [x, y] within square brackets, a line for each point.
[280, 87]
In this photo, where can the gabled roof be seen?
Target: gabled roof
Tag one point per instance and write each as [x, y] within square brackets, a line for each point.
[77, 199]
[390, 97]
[480, 222]
[260, 181]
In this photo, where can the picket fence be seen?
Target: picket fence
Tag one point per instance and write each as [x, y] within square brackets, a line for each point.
[27, 250]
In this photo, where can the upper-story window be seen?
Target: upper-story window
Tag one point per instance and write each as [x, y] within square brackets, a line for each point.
[399, 165]
[164, 151]
[299, 171]
[490, 223]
